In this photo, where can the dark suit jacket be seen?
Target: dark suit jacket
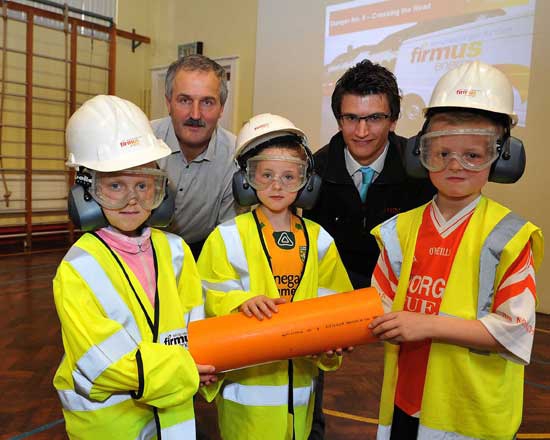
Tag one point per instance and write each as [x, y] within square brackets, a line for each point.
[342, 213]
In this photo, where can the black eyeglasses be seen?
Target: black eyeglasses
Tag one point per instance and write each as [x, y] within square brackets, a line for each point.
[351, 120]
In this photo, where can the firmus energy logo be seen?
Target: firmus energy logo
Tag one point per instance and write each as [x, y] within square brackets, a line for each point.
[129, 142]
[457, 51]
[467, 92]
[174, 338]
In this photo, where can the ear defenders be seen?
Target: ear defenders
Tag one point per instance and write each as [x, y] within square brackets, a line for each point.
[306, 198]
[87, 215]
[507, 168]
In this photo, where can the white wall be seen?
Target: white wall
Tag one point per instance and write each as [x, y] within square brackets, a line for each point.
[289, 59]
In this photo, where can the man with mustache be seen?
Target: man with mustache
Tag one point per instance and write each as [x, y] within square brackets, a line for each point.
[201, 165]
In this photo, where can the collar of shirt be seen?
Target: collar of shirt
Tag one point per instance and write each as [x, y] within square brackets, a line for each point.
[354, 167]
[208, 154]
[124, 243]
[455, 218]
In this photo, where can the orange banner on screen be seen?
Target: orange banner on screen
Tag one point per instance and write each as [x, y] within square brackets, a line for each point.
[302, 328]
[394, 12]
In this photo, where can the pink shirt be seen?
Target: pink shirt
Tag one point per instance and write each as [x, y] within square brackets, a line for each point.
[137, 253]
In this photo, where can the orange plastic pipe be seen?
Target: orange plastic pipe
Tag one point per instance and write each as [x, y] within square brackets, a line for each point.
[301, 328]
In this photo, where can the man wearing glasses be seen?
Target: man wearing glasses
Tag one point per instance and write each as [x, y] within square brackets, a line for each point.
[364, 180]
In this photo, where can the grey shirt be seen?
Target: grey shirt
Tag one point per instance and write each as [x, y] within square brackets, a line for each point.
[204, 197]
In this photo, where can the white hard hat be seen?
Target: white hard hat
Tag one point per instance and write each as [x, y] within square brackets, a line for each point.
[261, 128]
[108, 133]
[475, 85]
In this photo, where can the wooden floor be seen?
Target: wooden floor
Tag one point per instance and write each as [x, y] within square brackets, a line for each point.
[30, 350]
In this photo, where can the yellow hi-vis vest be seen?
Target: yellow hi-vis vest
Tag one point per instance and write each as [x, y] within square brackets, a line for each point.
[471, 393]
[126, 373]
[254, 402]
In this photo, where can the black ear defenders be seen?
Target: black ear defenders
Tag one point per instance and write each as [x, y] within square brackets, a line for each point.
[510, 165]
[87, 215]
[243, 193]
[411, 158]
[307, 196]
[508, 168]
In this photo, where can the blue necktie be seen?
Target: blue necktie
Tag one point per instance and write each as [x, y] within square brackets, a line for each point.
[367, 175]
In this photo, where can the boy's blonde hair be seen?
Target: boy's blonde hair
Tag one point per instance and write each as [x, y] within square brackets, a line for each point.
[466, 116]
[291, 143]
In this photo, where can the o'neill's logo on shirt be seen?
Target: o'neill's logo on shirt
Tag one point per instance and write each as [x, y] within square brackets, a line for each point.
[174, 337]
[285, 239]
[130, 142]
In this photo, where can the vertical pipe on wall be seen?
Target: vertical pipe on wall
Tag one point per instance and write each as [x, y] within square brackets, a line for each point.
[28, 129]
[112, 59]
[72, 98]
[72, 71]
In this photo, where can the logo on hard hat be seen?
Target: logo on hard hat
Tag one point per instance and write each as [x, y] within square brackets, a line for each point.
[130, 142]
[467, 92]
[262, 126]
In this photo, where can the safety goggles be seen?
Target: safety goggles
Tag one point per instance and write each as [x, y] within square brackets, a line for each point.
[473, 148]
[115, 190]
[289, 172]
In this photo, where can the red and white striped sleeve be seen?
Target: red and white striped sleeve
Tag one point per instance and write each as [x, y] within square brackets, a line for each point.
[384, 280]
[512, 321]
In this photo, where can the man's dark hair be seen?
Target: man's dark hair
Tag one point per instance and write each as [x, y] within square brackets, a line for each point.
[367, 78]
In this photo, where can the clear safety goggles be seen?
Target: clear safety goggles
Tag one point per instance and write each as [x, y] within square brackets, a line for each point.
[288, 171]
[473, 148]
[115, 190]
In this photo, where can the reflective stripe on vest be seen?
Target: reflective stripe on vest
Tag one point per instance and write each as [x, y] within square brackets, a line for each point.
[224, 286]
[179, 431]
[264, 395]
[72, 401]
[148, 431]
[323, 243]
[183, 430]
[388, 233]
[178, 254]
[195, 314]
[100, 284]
[424, 433]
[491, 252]
[100, 356]
[235, 255]
[322, 291]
